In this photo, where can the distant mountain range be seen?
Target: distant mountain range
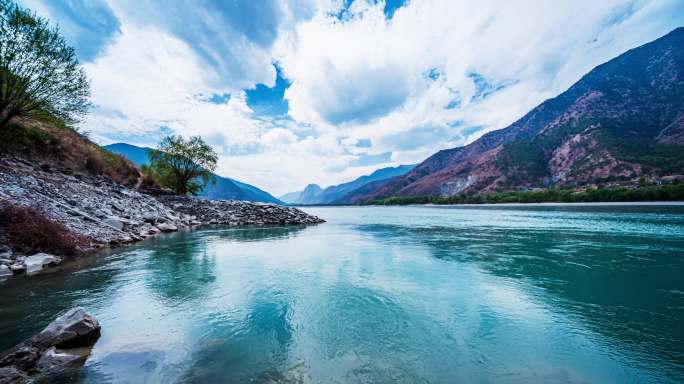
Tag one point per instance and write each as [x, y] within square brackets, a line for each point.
[224, 187]
[621, 122]
[343, 193]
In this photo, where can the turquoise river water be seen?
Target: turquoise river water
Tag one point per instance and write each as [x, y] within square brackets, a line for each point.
[498, 294]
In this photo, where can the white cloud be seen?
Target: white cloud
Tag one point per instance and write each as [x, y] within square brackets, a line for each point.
[371, 67]
[367, 78]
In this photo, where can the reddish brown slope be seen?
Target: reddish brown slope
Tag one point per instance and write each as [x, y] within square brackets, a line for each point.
[621, 121]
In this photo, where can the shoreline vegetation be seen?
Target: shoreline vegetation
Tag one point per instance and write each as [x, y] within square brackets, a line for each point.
[672, 192]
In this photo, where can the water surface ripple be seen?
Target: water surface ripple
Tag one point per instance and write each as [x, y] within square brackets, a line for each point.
[383, 294]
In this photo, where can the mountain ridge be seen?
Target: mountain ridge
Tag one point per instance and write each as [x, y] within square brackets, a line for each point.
[336, 194]
[621, 121]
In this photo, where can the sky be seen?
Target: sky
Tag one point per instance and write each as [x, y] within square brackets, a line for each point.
[294, 92]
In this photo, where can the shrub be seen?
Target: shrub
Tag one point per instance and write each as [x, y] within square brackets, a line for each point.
[29, 231]
[94, 164]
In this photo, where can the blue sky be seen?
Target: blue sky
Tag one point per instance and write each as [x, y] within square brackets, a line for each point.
[298, 91]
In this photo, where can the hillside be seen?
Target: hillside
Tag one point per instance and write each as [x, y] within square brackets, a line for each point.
[223, 188]
[47, 142]
[338, 194]
[620, 123]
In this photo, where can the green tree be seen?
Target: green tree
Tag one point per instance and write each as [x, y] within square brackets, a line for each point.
[183, 165]
[39, 71]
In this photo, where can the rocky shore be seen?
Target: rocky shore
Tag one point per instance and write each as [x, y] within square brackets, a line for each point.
[107, 214]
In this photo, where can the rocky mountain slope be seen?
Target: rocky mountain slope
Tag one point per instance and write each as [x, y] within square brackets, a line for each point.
[337, 194]
[622, 121]
[223, 188]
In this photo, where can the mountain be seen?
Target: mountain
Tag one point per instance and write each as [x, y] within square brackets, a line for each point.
[291, 197]
[224, 187]
[336, 194]
[309, 195]
[621, 122]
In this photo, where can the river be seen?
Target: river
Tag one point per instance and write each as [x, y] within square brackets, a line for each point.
[506, 294]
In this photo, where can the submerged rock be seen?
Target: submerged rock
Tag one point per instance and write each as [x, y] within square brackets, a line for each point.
[17, 268]
[11, 375]
[49, 349]
[55, 359]
[5, 271]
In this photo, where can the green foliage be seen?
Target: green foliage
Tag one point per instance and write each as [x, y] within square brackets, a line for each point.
[183, 165]
[525, 156]
[673, 192]
[38, 70]
[668, 159]
[524, 160]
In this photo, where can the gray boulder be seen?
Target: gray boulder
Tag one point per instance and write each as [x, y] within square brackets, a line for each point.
[35, 263]
[74, 329]
[5, 271]
[22, 357]
[17, 268]
[54, 359]
[11, 375]
[114, 222]
[167, 227]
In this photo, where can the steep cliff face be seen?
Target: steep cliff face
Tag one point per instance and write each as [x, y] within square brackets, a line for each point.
[622, 121]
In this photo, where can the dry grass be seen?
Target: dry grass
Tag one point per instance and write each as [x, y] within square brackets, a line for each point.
[29, 231]
[45, 140]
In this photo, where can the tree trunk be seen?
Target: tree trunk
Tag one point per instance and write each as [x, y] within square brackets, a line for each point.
[5, 120]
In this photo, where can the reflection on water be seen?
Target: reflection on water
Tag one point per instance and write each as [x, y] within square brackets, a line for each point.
[187, 275]
[383, 294]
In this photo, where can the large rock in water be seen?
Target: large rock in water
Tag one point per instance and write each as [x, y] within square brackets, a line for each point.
[76, 328]
[10, 375]
[44, 351]
[54, 359]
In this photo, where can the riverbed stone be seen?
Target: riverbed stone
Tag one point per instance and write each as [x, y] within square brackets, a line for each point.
[17, 268]
[5, 271]
[22, 357]
[11, 375]
[54, 359]
[166, 227]
[73, 330]
[76, 328]
[114, 222]
[35, 263]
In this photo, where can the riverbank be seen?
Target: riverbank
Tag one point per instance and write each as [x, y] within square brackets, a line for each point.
[101, 213]
[669, 192]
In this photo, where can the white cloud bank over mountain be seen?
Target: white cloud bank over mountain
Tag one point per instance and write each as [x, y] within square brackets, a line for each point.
[435, 75]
